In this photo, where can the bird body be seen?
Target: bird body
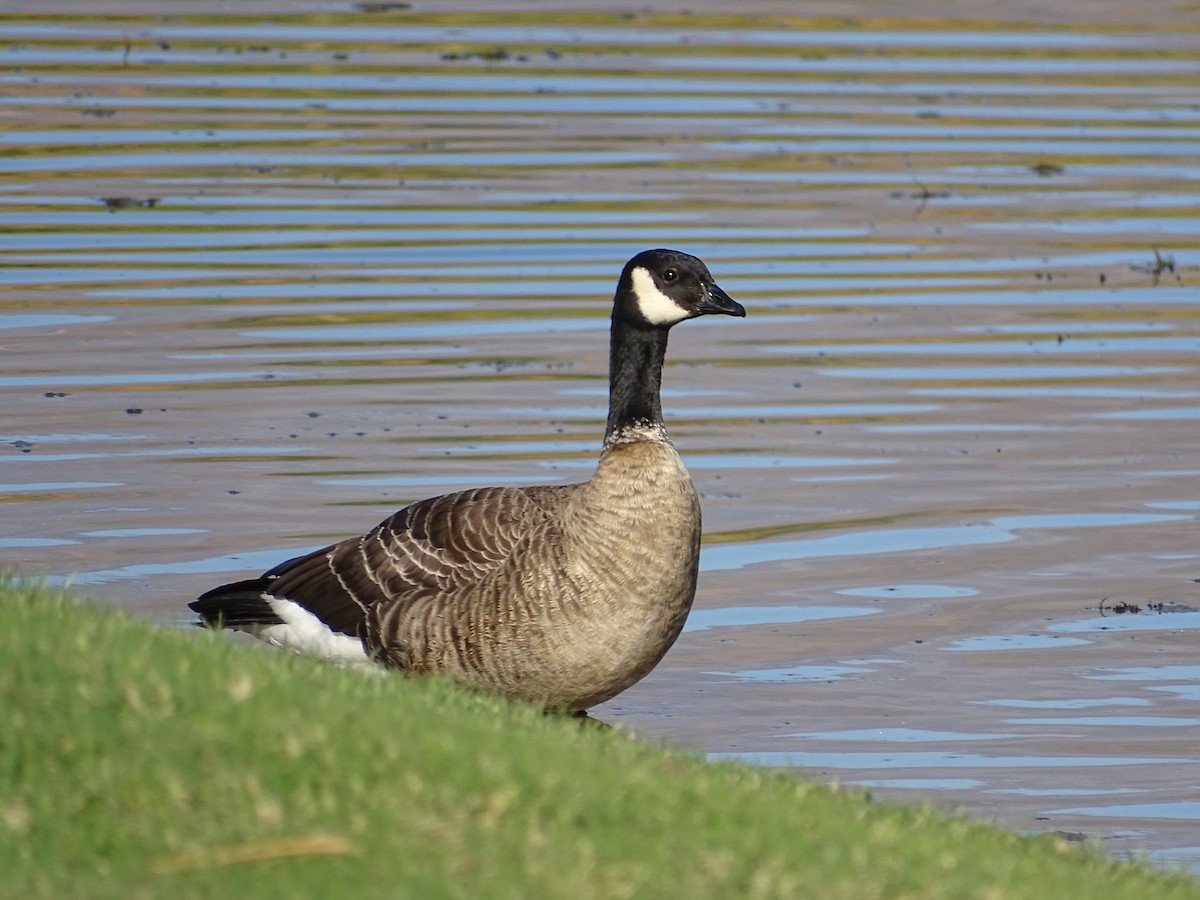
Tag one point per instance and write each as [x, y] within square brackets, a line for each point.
[563, 595]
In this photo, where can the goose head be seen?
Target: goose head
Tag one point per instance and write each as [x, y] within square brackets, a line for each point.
[659, 288]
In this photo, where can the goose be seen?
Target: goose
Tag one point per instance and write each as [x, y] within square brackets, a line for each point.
[558, 595]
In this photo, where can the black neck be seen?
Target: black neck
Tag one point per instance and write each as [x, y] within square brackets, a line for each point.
[635, 362]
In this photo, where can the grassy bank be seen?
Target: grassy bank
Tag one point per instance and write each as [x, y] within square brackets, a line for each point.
[139, 761]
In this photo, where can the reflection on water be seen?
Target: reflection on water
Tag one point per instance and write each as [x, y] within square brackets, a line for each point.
[1063, 792]
[1000, 530]
[36, 381]
[1151, 673]
[266, 277]
[457, 481]
[911, 591]
[39, 458]
[259, 560]
[1066, 347]
[142, 532]
[1172, 412]
[1062, 391]
[898, 736]
[796, 673]
[1179, 809]
[31, 543]
[46, 320]
[57, 486]
[1117, 721]
[1075, 703]
[700, 619]
[919, 784]
[988, 642]
[416, 332]
[933, 759]
[1175, 620]
[412, 31]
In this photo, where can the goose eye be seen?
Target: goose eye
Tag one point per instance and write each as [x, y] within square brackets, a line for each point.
[670, 275]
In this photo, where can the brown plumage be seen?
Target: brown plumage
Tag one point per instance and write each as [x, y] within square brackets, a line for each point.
[563, 596]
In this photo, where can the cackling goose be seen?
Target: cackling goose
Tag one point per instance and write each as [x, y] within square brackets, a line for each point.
[561, 595]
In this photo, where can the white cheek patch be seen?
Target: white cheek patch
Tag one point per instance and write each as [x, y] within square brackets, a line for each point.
[655, 306]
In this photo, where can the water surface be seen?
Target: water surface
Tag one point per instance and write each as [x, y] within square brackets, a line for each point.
[267, 276]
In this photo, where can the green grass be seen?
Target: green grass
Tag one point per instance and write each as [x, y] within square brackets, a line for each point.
[137, 761]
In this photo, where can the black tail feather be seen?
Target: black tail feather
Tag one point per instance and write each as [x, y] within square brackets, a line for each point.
[307, 581]
[236, 605]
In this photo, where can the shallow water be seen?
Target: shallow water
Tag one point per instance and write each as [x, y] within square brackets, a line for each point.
[266, 276]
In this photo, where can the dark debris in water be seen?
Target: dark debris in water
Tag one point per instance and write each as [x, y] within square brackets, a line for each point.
[1047, 169]
[923, 194]
[1163, 265]
[369, 6]
[114, 203]
[497, 54]
[1122, 608]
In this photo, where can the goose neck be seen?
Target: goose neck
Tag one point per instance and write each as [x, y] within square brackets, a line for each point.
[634, 382]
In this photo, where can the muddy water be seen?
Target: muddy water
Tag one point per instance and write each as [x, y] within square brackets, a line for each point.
[269, 274]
